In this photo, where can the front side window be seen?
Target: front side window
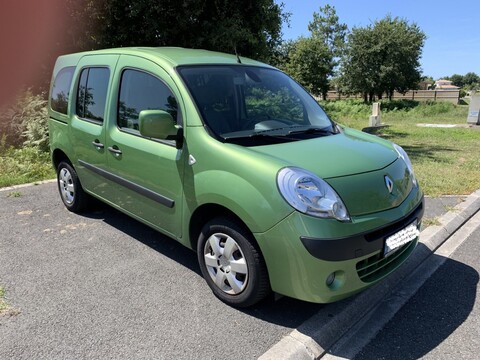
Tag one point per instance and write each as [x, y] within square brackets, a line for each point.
[141, 91]
[92, 93]
[61, 89]
[249, 102]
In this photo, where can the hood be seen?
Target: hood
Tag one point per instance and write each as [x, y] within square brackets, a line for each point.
[355, 164]
[347, 153]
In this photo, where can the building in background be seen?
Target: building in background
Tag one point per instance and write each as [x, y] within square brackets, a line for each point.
[443, 84]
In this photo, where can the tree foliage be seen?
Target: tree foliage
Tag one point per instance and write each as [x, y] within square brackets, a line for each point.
[312, 60]
[326, 27]
[26, 121]
[253, 28]
[382, 58]
[457, 80]
[310, 64]
[469, 81]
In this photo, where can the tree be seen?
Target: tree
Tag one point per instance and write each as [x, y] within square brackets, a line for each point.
[326, 27]
[471, 80]
[281, 54]
[312, 60]
[382, 58]
[457, 80]
[360, 64]
[252, 28]
[310, 64]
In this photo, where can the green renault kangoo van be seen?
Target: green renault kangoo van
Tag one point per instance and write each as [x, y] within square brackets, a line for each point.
[235, 160]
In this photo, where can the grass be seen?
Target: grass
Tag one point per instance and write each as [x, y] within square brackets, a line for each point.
[25, 165]
[6, 309]
[429, 222]
[446, 160]
[14, 194]
[3, 304]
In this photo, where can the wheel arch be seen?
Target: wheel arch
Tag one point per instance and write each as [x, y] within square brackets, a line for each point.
[58, 156]
[207, 212]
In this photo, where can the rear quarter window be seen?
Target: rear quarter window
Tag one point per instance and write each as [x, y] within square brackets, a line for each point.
[92, 93]
[61, 90]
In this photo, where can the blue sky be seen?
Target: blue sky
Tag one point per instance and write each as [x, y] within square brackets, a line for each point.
[452, 27]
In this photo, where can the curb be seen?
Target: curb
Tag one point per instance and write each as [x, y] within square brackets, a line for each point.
[317, 335]
[15, 187]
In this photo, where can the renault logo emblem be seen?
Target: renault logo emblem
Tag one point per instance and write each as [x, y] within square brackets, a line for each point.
[389, 183]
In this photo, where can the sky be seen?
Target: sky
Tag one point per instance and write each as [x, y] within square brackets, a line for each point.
[452, 27]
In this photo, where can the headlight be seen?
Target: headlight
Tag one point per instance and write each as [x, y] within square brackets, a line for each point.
[403, 155]
[310, 195]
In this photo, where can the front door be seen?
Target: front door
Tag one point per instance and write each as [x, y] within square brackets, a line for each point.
[147, 173]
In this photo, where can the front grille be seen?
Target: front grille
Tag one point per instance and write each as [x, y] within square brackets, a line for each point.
[377, 266]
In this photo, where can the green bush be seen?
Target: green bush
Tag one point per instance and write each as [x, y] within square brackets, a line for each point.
[341, 110]
[347, 109]
[433, 108]
[26, 121]
[24, 165]
[395, 105]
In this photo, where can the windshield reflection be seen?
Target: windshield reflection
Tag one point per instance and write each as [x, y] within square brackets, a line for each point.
[238, 101]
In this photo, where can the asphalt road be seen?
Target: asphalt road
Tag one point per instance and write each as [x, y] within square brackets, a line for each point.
[104, 286]
[442, 320]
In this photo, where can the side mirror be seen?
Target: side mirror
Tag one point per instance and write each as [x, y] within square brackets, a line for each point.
[157, 124]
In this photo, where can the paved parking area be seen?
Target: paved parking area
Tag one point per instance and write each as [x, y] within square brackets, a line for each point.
[102, 285]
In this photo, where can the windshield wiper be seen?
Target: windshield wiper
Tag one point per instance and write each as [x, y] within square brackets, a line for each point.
[264, 134]
[260, 134]
[313, 130]
[282, 133]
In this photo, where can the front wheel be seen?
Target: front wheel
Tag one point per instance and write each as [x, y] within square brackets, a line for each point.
[231, 264]
[71, 191]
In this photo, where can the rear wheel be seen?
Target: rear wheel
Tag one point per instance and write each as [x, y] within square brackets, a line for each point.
[71, 191]
[231, 264]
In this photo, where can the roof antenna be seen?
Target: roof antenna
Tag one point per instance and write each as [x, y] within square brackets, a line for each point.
[236, 53]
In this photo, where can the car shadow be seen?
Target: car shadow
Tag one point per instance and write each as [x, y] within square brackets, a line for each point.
[275, 309]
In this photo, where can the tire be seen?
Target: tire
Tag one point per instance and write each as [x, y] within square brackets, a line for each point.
[70, 189]
[231, 263]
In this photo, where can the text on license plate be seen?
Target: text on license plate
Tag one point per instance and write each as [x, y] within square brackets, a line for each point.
[400, 238]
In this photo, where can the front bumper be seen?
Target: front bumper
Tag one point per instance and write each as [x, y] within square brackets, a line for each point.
[352, 247]
[303, 253]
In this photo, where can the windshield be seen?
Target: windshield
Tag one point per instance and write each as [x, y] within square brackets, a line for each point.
[239, 101]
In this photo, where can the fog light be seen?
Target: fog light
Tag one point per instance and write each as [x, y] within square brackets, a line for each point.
[330, 279]
[335, 280]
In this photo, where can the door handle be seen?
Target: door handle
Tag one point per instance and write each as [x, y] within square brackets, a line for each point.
[115, 150]
[98, 144]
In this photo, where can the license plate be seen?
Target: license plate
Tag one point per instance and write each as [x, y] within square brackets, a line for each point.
[400, 238]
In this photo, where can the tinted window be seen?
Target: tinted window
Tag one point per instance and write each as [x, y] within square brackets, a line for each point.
[241, 101]
[141, 91]
[92, 93]
[61, 90]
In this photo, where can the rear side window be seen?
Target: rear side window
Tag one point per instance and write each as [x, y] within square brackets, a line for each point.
[61, 90]
[141, 91]
[92, 93]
